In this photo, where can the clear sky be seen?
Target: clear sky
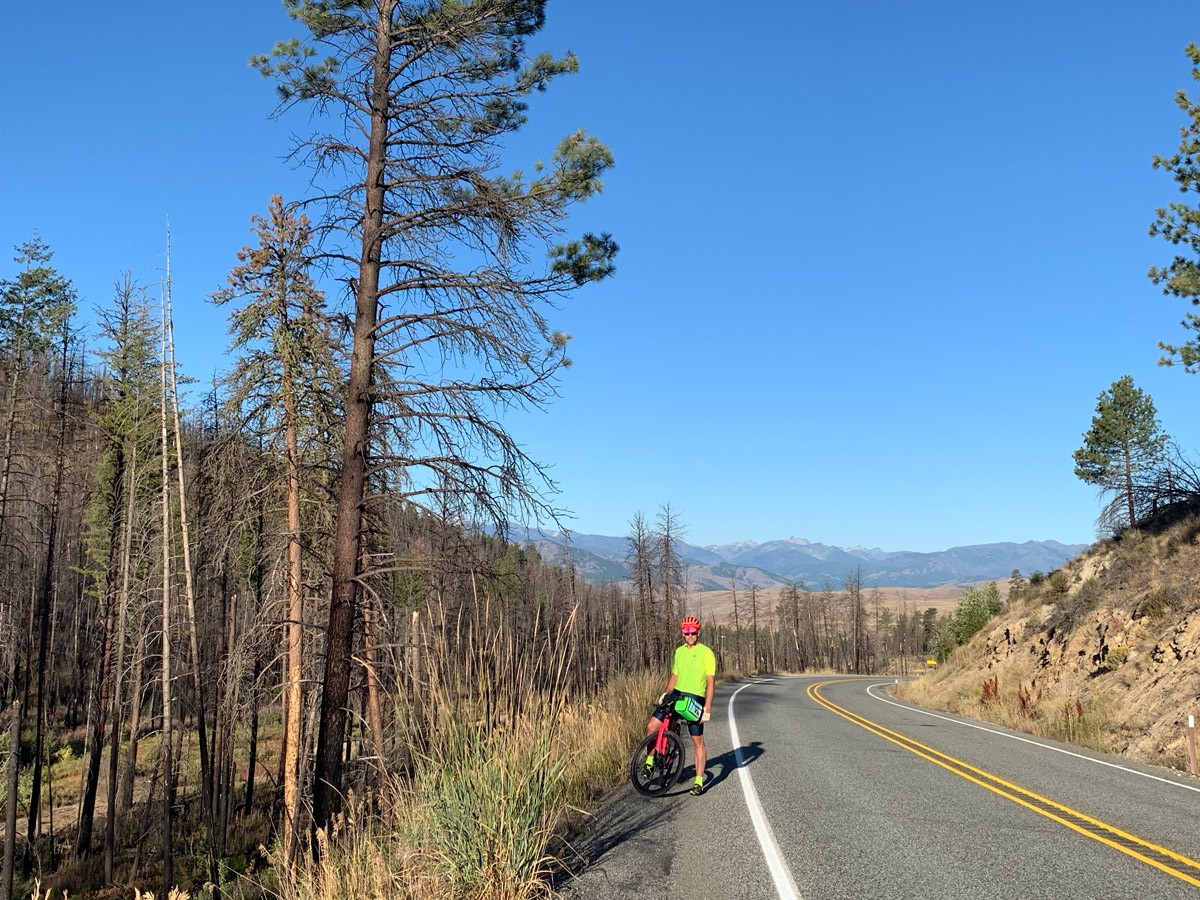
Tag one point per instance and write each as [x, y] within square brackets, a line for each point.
[878, 259]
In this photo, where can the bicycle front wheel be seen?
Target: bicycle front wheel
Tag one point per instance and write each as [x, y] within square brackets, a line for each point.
[664, 768]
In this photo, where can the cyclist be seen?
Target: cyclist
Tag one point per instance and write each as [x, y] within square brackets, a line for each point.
[693, 675]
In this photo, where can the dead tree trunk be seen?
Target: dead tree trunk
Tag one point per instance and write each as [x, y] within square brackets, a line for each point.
[114, 749]
[10, 818]
[45, 603]
[167, 732]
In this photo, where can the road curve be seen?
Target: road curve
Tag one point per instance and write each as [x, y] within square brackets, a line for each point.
[827, 787]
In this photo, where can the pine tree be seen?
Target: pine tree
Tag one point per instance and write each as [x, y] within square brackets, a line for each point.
[448, 326]
[281, 388]
[1124, 450]
[125, 417]
[1179, 224]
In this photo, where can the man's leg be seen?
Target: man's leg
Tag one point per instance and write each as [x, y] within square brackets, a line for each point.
[701, 757]
[652, 727]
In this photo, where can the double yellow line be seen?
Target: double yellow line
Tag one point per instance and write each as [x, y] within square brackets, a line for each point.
[1153, 855]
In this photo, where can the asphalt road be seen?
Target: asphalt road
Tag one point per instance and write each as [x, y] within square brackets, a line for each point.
[832, 789]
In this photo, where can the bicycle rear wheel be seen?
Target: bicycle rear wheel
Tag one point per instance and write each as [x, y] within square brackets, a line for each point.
[664, 770]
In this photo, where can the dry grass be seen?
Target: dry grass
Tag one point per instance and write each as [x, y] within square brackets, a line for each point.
[1103, 652]
[485, 816]
[718, 605]
[37, 894]
[1019, 706]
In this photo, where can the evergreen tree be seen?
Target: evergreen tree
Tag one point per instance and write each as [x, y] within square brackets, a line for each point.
[1179, 223]
[35, 307]
[126, 417]
[448, 326]
[1123, 451]
[280, 387]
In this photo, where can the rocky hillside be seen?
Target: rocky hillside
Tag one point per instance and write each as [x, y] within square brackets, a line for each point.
[1104, 652]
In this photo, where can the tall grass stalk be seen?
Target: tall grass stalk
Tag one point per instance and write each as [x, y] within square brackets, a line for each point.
[492, 800]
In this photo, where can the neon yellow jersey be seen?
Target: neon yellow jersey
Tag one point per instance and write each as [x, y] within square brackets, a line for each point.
[692, 667]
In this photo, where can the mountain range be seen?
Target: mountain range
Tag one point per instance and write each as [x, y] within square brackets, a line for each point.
[602, 559]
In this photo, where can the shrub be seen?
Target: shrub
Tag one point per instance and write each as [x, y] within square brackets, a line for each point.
[1060, 582]
[1115, 657]
[1158, 602]
[1071, 610]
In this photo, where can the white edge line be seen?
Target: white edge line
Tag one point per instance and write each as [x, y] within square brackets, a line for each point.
[1025, 740]
[785, 885]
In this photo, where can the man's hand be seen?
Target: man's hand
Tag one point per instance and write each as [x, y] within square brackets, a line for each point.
[707, 715]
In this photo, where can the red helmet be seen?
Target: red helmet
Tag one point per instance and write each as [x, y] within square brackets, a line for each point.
[689, 622]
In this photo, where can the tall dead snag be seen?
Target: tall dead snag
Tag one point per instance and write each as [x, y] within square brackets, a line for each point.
[45, 595]
[207, 781]
[640, 559]
[448, 321]
[167, 732]
[669, 566]
[10, 798]
[206, 768]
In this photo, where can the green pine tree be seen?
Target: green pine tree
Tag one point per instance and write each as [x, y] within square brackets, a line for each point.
[451, 262]
[1124, 450]
[1179, 223]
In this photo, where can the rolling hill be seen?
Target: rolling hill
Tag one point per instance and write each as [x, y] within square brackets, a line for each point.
[602, 559]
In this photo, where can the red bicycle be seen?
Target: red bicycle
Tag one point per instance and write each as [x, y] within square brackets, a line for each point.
[658, 760]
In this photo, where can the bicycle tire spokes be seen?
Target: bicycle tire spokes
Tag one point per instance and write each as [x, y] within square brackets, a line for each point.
[665, 754]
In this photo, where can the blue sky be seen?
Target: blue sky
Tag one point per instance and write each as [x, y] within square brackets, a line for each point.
[878, 260]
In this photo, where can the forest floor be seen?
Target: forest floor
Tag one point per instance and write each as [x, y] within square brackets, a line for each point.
[138, 838]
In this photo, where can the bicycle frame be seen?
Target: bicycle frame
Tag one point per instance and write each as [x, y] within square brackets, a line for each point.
[658, 760]
[670, 721]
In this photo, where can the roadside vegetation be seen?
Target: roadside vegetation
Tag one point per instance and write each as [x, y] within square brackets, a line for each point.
[1101, 653]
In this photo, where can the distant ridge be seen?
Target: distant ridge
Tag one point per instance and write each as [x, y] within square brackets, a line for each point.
[741, 564]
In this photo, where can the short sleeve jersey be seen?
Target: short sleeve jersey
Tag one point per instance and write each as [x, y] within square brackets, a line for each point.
[692, 667]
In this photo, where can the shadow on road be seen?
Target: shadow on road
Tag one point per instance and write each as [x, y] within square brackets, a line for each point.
[618, 822]
[725, 764]
[631, 822]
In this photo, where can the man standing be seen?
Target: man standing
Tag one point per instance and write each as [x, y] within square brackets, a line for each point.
[693, 675]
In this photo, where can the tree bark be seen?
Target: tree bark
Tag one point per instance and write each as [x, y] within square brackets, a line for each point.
[167, 731]
[293, 704]
[44, 604]
[327, 786]
[100, 690]
[10, 818]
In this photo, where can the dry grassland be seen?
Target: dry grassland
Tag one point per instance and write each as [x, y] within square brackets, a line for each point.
[717, 606]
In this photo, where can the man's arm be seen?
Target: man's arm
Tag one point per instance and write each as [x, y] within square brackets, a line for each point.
[710, 686]
[670, 687]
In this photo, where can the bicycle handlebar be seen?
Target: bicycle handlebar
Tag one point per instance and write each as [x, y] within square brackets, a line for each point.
[668, 703]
